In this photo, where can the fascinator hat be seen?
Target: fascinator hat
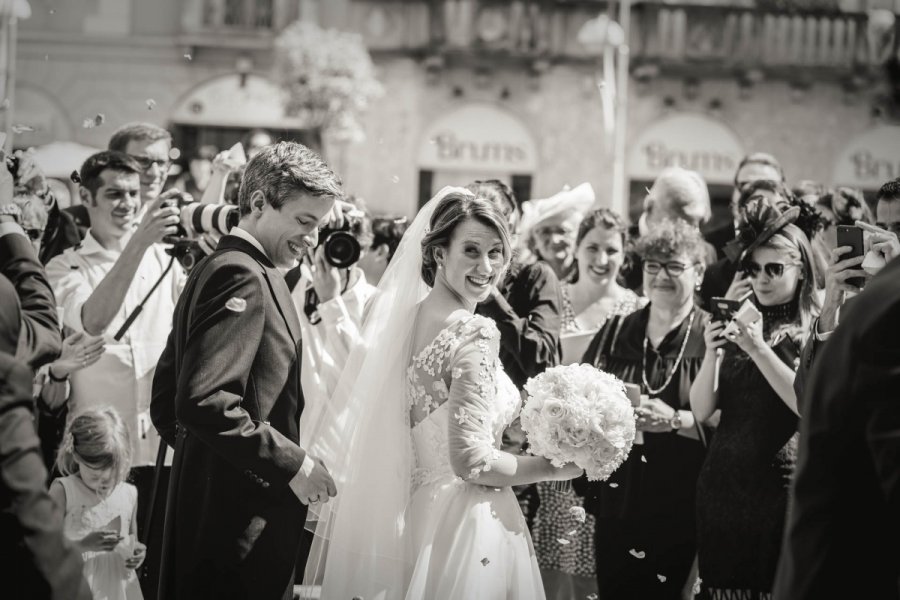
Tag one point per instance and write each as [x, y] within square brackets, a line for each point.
[765, 221]
[569, 203]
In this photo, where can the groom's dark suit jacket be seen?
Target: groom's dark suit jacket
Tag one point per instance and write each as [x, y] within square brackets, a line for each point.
[842, 538]
[227, 396]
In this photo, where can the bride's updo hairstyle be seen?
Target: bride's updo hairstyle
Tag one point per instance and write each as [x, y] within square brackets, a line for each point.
[454, 209]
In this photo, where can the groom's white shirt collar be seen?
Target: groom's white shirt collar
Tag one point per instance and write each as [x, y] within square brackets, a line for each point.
[248, 237]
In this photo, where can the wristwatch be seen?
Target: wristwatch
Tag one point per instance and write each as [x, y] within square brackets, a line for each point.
[675, 421]
[11, 210]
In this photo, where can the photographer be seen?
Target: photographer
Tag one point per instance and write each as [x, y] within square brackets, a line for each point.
[881, 244]
[330, 302]
[102, 281]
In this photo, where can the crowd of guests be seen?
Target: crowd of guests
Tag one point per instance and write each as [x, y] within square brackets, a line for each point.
[701, 506]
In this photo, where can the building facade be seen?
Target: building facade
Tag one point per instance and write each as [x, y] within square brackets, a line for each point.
[478, 89]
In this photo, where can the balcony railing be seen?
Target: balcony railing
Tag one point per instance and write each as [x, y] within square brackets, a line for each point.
[743, 37]
[668, 34]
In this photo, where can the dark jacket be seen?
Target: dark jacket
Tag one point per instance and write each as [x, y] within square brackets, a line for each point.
[226, 395]
[843, 534]
[38, 562]
[39, 339]
[65, 229]
[528, 317]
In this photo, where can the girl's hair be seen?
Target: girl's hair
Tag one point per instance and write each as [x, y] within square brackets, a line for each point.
[607, 219]
[793, 244]
[453, 210]
[99, 439]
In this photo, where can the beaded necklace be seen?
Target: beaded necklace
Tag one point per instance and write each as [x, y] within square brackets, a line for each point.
[687, 334]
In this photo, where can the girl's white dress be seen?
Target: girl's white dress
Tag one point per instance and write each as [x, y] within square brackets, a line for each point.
[470, 541]
[86, 511]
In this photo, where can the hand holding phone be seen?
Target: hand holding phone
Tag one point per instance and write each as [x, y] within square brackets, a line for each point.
[852, 236]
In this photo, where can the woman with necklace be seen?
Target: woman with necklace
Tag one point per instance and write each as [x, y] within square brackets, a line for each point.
[645, 540]
[588, 302]
[747, 376]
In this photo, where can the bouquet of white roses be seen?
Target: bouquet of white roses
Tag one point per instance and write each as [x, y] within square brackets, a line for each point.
[579, 414]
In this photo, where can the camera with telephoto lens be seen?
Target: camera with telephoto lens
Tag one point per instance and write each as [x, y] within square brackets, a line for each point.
[342, 249]
[197, 219]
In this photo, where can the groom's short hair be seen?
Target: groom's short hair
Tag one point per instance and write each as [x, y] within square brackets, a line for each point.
[283, 169]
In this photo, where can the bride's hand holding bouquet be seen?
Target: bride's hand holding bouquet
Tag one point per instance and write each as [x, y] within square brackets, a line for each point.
[578, 414]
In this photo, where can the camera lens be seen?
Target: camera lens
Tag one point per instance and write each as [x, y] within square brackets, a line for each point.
[341, 249]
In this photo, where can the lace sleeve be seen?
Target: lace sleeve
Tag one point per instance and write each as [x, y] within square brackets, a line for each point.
[473, 389]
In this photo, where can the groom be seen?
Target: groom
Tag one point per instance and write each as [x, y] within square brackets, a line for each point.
[226, 394]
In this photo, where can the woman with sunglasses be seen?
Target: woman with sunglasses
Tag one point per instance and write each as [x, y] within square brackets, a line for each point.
[644, 537]
[747, 378]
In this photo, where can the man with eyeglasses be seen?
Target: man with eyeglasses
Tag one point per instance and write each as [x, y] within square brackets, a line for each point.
[758, 166]
[149, 146]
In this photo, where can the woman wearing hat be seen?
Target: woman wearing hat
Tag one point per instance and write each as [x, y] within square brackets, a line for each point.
[549, 227]
[747, 376]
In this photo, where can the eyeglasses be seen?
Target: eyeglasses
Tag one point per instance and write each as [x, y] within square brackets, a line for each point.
[773, 270]
[147, 162]
[34, 234]
[673, 269]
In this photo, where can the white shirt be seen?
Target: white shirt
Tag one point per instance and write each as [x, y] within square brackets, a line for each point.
[123, 377]
[327, 343]
[248, 237]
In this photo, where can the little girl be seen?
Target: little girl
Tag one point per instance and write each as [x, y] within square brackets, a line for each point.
[101, 509]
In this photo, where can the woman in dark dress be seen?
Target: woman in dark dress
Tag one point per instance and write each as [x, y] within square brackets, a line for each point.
[645, 527]
[742, 492]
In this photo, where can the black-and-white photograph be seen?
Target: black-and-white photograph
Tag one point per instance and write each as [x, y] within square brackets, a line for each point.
[450, 299]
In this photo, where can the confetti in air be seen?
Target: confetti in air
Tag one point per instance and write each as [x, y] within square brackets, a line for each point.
[579, 513]
[188, 56]
[614, 485]
[21, 128]
[592, 597]
[573, 532]
[563, 541]
[395, 178]
[643, 458]
[95, 121]
[151, 103]
[485, 561]
[662, 578]
[637, 554]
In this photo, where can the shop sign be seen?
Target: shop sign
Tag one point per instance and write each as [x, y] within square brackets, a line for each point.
[869, 159]
[478, 137]
[690, 141]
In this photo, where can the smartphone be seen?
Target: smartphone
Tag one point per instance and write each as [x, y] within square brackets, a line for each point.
[851, 235]
[723, 309]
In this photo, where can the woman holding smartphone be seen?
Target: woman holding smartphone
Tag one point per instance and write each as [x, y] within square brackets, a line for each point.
[645, 512]
[747, 377]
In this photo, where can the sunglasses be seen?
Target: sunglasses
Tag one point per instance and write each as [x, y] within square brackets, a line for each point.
[34, 234]
[146, 162]
[673, 269]
[772, 270]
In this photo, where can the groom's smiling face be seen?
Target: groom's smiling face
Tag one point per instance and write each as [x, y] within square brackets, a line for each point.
[286, 233]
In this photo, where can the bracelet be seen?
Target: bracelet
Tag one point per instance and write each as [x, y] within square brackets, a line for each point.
[55, 378]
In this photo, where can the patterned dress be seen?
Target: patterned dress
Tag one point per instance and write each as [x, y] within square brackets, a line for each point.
[105, 572]
[553, 521]
[469, 540]
[742, 491]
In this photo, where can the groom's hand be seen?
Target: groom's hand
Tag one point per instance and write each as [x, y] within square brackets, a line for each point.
[313, 482]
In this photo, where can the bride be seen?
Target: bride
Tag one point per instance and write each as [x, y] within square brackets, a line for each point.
[424, 508]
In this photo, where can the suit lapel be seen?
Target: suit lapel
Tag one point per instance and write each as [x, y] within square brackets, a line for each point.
[284, 302]
[274, 278]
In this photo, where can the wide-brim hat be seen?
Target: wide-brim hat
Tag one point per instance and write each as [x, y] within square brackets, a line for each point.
[559, 207]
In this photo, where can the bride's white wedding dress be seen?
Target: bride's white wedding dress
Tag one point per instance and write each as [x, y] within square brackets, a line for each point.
[468, 540]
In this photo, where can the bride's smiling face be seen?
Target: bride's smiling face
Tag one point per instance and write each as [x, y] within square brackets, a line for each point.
[473, 262]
